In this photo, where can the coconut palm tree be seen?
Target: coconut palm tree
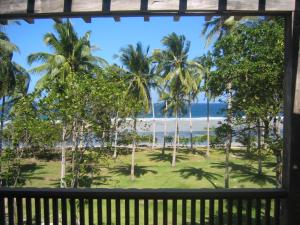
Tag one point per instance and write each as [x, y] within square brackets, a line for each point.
[71, 56]
[173, 66]
[139, 77]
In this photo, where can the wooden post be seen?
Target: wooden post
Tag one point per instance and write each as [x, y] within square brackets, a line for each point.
[291, 156]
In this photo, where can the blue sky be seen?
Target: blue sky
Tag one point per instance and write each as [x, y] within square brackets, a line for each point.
[110, 36]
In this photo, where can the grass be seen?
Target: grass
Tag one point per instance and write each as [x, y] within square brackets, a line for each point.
[154, 170]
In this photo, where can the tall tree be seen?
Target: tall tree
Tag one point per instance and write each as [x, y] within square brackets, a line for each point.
[139, 78]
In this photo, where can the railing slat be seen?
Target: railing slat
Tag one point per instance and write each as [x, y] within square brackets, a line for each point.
[229, 211]
[2, 211]
[155, 212]
[46, 211]
[277, 212]
[108, 211]
[267, 212]
[55, 211]
[28, 211]
[11, 220]
[202, 212]
[249, 212]
[174, 212]
[64, 218]
[91, 211]
[20, 210]
[146, 212]
[165, 212]
[193, 211]
[136, 212]
[220, 212]
[127, 212]
[118, 212]
[183, 211]
[211, 211]
[239, 212]
[37, 202]
[258, 212]
[82, 211]
[73, 211]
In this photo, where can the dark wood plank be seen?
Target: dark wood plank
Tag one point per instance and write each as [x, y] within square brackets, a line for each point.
[229, 211]
[174, 212]
[165, 212]
[67, 6]
[82, 212]
[249, 212]
[183, 219]
[277, 212]
[37, 207]
[155, 212]
[108, 210]
[11, 219]
[91, 211]
[193, 211]
[127, 211]
[118, 212]
[220, 212]
[202, 212]
[19, 210]
[146, 212]
[144, 5]
[2, 211]
[106, 6]
[211, 211]
[136, 212]
[222, 5]
[28, 211]
[46, 211]
[267, 212]
[30, 6]
[239, 212]
[258, 212]
[262, 5]
[64, 218]
[99, 211]
[55, 210]
[73, 210]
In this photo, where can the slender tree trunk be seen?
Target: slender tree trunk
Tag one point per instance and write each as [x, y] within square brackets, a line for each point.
[133, 151]
[229, 134]
[116, 137]
[154, 126]
[191, 126]
[208, 128]
[74, 183]
[259, 169]
[2, 123]
[249, 138]
[63, 159]
[175, 140]
[165, 129]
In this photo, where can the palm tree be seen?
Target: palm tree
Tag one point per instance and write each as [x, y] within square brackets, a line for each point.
[139, 77]
[72, 56]
[173, 66]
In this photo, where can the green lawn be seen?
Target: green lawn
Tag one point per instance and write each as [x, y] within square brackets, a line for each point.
[154, 171]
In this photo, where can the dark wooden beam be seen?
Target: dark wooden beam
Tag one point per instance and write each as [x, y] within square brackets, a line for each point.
[146, 18]
[67, 6]
[182, 5]
[144, 5]
[87, 19]
[222, 5]
[106, 6]
[262, 5]
[57, 20]
[176, 18]
[208, 18]
[29, 20]
[117, 18]
[30, 6]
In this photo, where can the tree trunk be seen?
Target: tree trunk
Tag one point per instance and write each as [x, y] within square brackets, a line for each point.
[116, 137]
[249, 139]
[165, 130]
[74, 183]
[259, 169]
[2, 123]
[229, 134]
[208, 128]
[154, 126]
[63, 159]
[191, 126]
[175, 140]
[133, 151]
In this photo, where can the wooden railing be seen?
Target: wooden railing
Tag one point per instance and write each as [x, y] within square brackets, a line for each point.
[147, 206]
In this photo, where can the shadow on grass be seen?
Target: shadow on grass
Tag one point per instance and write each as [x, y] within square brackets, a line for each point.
[247, 173]
[29, 171]
[158, 157]
[138, 170]
[199, 173]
